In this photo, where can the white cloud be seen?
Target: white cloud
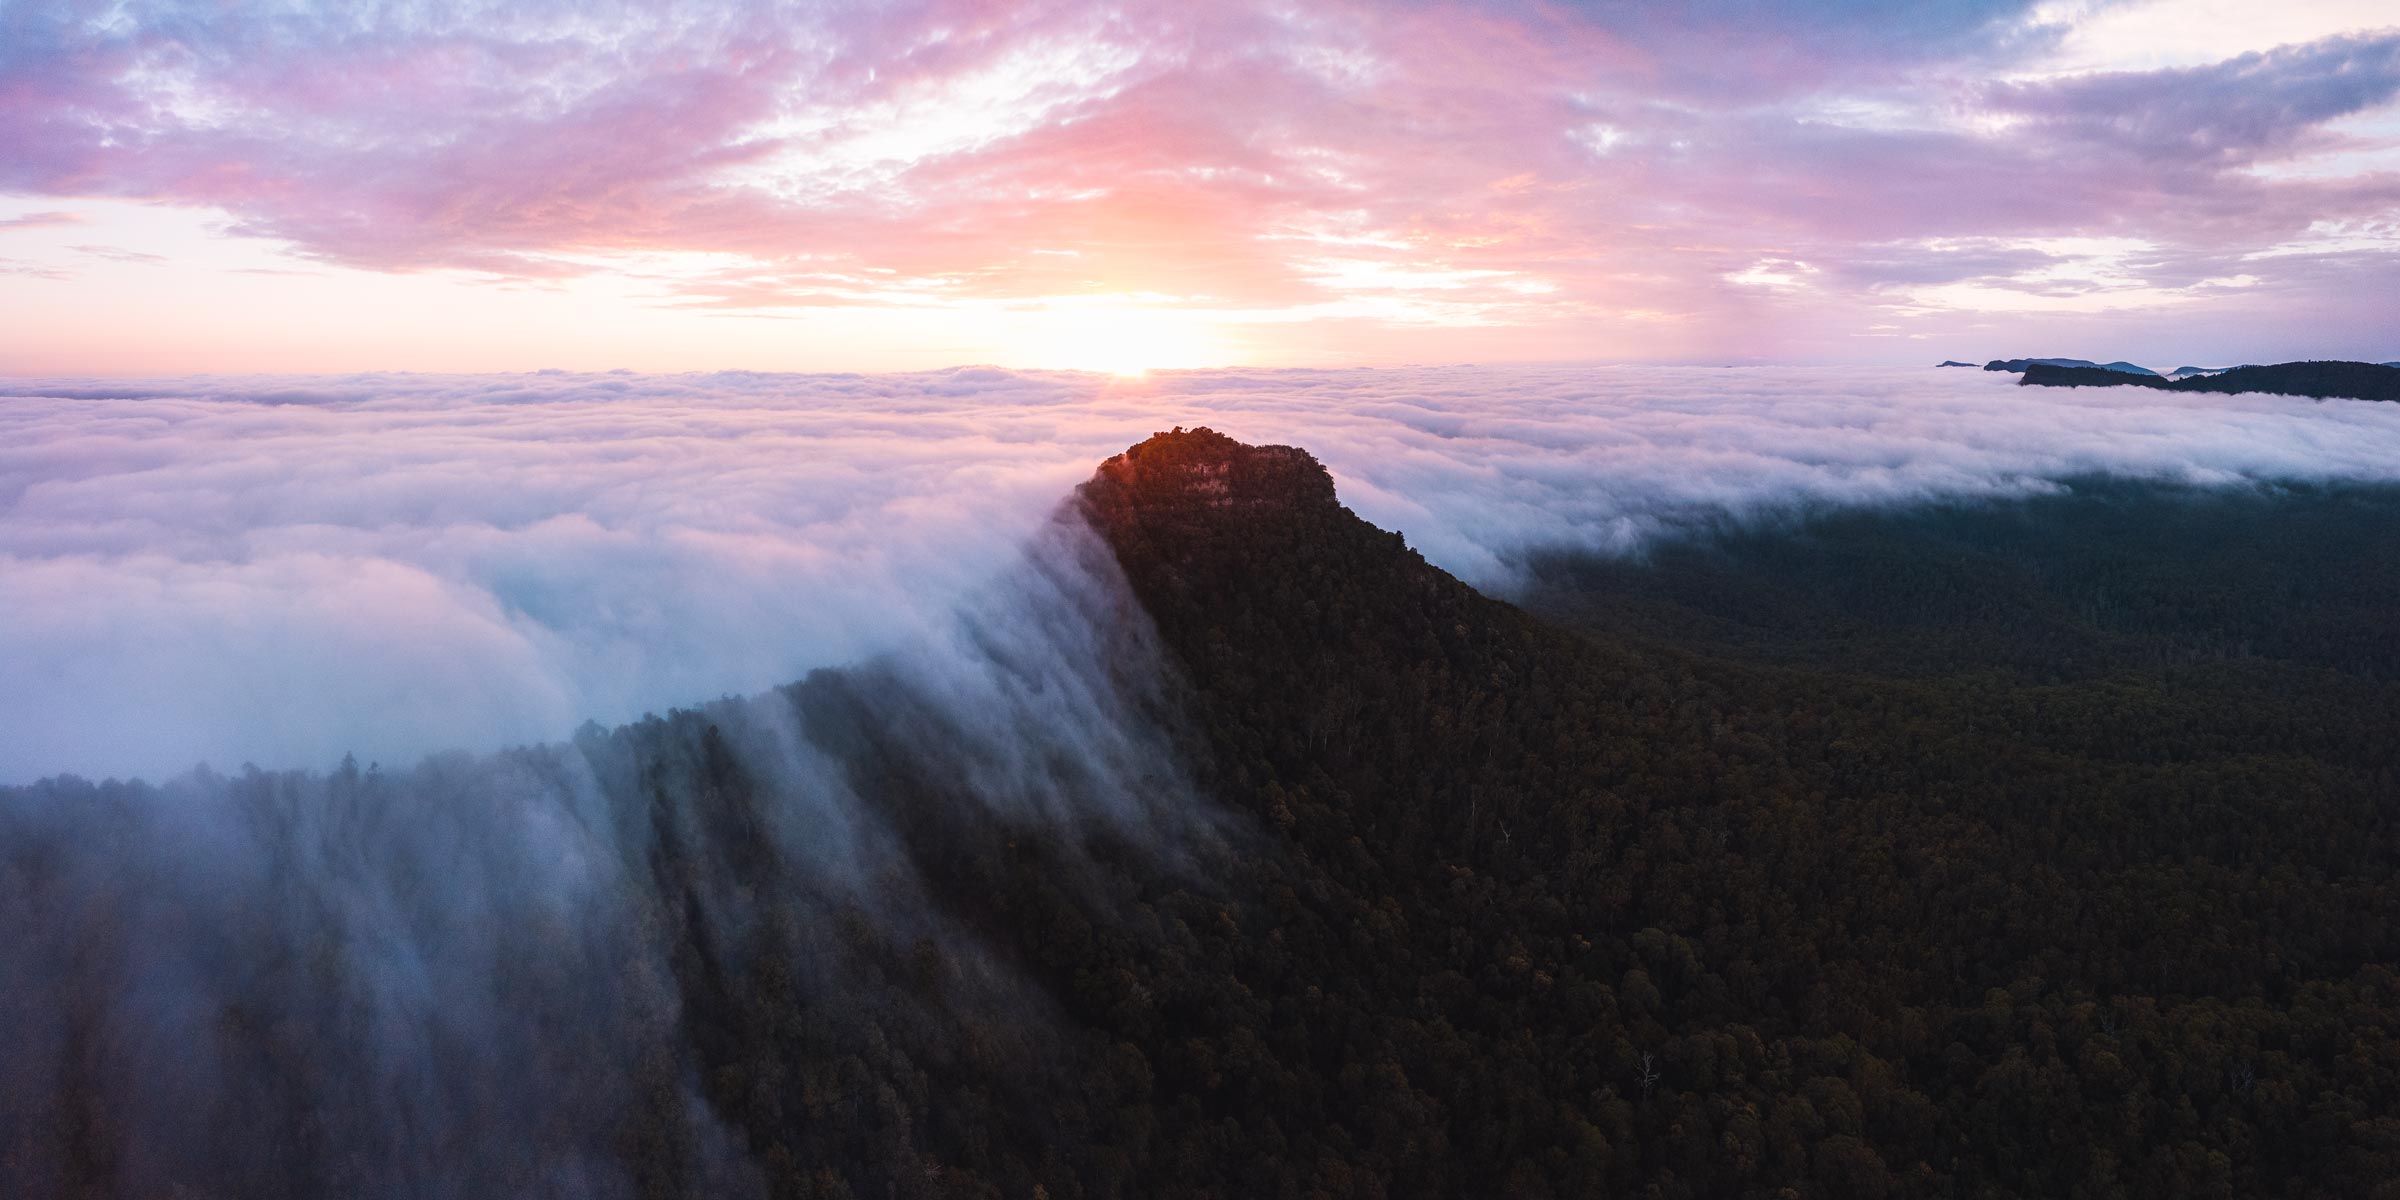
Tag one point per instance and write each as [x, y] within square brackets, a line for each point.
[1781, 274]
[2148, 34]
[282, 569]
[1599, 137]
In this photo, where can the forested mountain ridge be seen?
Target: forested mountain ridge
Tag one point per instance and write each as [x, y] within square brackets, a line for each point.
[1868, 860]
[2022, 364]
[1710, 852]
[2317, 380]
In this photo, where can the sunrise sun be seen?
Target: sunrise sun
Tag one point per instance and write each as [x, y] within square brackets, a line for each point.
[1126, 340]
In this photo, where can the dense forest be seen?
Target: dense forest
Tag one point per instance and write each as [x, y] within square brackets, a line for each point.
[2041, 847]
[2022, 364]
[2317, 380]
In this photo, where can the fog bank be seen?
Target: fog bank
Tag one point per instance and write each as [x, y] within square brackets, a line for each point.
[283, 569]
[502, 974]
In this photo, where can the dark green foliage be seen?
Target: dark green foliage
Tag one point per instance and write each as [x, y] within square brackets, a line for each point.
[2024, 364]
[2114, 759]
[2052, 375]
[2354, 380]
[2317, 380]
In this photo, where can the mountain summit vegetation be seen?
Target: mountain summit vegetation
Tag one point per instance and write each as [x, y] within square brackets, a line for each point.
[2008, 849]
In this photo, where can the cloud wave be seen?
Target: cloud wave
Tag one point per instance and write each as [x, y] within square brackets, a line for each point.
[284, 569]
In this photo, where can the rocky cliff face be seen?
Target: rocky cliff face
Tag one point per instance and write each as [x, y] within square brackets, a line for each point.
[1174, 480]
[1292, 616]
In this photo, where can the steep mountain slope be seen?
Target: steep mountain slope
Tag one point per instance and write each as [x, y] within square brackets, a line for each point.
[1755, 928]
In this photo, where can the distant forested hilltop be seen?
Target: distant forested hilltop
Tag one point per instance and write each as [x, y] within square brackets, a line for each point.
[2034, 848]
[2019, 364]
[2319, 380]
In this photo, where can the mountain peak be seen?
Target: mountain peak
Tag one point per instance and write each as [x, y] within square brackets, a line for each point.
[1193, 513]
[1186, 468]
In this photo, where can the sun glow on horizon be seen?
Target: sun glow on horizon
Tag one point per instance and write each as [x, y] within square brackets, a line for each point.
[1127, 340]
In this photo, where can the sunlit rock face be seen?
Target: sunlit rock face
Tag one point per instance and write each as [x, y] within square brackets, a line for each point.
[1198, 519]
[1172, 472]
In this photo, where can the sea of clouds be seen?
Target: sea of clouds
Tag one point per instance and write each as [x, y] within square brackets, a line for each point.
[467, 977]
[454, 977]
[282, 569]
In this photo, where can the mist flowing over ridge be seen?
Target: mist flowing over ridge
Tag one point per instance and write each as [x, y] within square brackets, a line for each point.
[1222, 844]
[285, 569]
[475, 976]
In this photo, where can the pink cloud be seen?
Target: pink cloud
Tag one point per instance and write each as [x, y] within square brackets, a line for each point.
[40, 220]
[1527, 164]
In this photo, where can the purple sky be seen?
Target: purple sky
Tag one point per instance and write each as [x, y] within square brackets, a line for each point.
[449, 186]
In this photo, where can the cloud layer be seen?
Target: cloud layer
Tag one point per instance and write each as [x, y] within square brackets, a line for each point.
[470, 977]
[284, 569]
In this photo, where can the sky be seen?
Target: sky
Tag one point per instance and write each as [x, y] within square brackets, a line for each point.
[454, 185]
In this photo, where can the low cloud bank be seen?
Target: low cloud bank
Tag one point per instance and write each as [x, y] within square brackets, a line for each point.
[500, 974]
[282, 569]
